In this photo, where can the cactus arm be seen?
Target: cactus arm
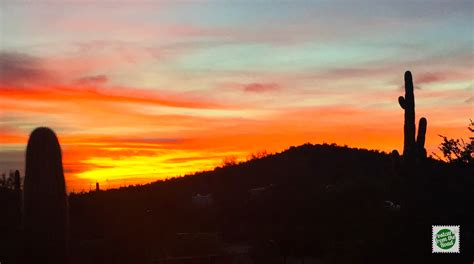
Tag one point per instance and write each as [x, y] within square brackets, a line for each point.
[420, 139]
[401, 101]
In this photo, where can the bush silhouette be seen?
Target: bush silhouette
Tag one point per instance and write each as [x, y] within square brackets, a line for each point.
[17, 181]
[45, 200]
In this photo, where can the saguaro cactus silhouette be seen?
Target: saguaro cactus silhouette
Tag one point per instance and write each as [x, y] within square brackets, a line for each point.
[412, 174]
[412, 149]
[45, 200]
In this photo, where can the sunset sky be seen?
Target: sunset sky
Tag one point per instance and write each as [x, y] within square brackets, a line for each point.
[144, 90]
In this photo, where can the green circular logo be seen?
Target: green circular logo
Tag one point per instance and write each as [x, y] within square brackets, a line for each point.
[445, 239]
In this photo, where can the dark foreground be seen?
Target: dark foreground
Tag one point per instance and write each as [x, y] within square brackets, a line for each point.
[309, 204]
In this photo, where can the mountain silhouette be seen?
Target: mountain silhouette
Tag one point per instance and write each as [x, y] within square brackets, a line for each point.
[334, 203]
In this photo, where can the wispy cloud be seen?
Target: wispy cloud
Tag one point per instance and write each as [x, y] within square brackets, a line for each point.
[93, 80]
[20, 70]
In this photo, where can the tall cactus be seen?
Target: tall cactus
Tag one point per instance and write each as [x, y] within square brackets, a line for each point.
[412, 174]
[45, 200]
[412, 149]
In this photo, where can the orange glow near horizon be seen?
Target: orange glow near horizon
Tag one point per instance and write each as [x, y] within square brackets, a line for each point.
[120, 145]
[136, 93]
[116, 160]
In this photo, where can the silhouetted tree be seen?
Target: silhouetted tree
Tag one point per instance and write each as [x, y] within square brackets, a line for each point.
[257, 155]
[17, 181]
[10, 182]
[229, 161]
[457, 150]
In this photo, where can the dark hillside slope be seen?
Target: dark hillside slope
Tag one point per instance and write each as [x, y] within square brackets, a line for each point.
[335, 203]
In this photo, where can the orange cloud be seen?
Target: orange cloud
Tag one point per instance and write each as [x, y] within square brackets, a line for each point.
[124, 95]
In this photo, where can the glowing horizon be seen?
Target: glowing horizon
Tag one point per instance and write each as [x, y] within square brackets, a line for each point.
[138, 92]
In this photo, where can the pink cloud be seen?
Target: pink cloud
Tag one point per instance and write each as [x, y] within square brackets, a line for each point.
[442, 76]
[261, 87]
